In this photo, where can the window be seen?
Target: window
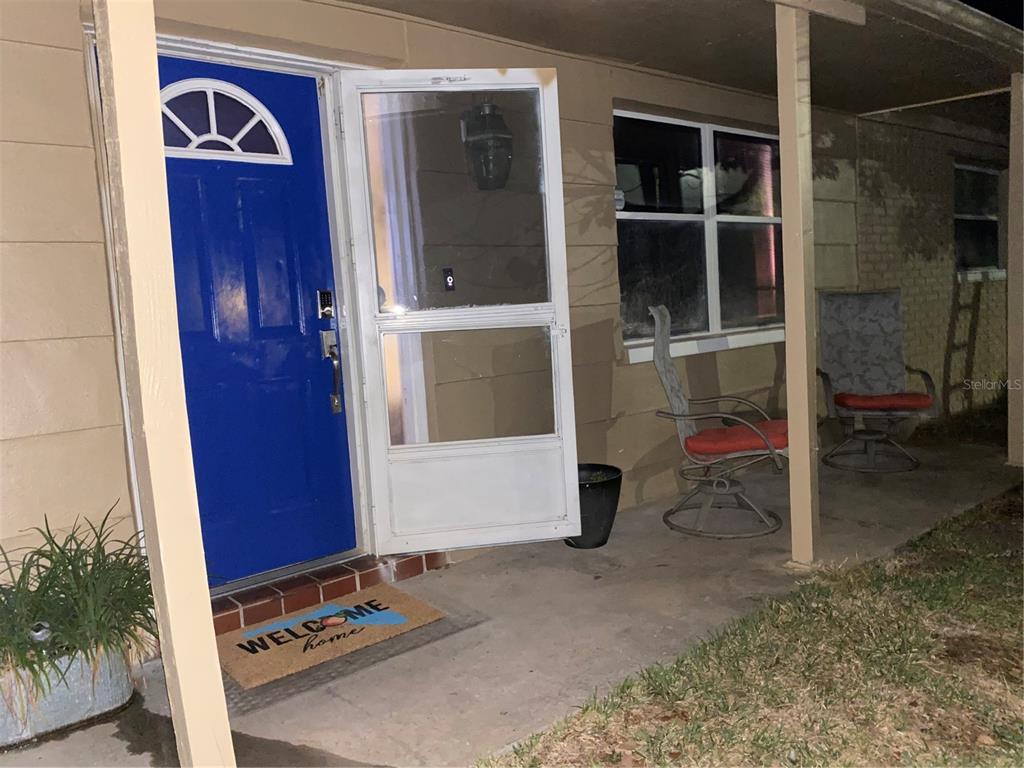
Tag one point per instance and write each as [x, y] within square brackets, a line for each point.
[214, 120]
[976, 218]
[699, 225]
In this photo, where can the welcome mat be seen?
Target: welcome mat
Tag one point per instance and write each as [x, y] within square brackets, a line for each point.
[256, 655]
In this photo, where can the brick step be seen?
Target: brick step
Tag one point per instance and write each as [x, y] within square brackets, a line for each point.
[255, 605]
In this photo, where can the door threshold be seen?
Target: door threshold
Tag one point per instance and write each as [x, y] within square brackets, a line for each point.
[282, 573]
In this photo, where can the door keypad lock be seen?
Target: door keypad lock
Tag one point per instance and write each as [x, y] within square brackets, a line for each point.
[325, 304]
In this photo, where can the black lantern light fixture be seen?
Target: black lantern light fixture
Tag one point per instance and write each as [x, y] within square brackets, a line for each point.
[488, 143]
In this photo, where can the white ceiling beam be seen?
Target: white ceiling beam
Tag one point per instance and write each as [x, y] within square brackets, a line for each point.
[934, 102]
[841, 10]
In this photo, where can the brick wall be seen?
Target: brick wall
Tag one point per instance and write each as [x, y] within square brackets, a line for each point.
[834, 168]
[905, 241]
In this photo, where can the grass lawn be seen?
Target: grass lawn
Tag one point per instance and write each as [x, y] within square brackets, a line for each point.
[914, 660]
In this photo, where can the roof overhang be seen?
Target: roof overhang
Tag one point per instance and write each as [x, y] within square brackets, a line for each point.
[908, 52]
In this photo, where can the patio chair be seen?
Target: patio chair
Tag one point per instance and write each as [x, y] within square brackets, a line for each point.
[715, 454]
[865, 378]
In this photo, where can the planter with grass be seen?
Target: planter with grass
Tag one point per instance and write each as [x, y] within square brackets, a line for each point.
[76, 618]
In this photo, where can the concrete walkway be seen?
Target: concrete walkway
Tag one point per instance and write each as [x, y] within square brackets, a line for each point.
[554, 626]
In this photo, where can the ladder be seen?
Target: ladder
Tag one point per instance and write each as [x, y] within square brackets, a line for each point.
[958, 361]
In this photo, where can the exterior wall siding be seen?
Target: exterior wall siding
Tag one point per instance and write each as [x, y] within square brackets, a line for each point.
[62, 451]
[905, 229]
[615, 401]
[62, 446]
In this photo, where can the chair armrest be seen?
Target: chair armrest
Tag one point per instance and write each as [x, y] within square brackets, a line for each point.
[776, 457]
[830, 395]
[732, 399]
[929, 385]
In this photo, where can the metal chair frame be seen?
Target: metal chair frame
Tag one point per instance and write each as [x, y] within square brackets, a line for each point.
[861, 334]
[712, 474]
[873, 444]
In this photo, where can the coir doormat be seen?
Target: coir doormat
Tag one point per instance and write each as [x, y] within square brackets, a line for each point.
[264, 652]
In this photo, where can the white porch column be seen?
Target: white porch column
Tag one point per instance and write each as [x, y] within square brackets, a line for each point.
[1015, 276]
[140, 223]
[792, 51]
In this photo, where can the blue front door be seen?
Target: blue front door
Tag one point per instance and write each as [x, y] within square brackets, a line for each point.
[252, 265]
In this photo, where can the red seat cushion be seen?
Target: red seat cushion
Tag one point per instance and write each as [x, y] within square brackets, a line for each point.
[722, 440]
[897, 401]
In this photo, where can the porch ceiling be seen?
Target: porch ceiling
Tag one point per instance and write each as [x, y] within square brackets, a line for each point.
[989, 112]
[910, 51]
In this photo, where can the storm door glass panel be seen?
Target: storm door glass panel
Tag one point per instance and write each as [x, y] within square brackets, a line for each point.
[657, 167]
[747, 179]
[662, 262]
[476, 384]
[453, 224]
[750, 274]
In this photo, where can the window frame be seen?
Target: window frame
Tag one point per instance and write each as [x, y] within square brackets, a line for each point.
[261, 114]
[979, 274]
[715, 338]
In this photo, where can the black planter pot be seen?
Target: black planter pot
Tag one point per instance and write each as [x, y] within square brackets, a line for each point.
[599, 499]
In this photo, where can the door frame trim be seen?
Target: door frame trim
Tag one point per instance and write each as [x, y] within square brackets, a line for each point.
[327, 73]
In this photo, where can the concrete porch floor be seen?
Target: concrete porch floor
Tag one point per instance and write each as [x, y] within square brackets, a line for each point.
[557, 624]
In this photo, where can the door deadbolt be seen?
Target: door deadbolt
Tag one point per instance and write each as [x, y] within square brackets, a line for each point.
[325, 304]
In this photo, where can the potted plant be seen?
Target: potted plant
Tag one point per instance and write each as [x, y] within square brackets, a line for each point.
[76, 618]
[600, 485]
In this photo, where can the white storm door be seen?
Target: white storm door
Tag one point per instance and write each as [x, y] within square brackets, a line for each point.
[463, 309]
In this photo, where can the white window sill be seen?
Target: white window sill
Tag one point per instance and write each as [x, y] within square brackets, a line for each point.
[981, 275]
[642, 350]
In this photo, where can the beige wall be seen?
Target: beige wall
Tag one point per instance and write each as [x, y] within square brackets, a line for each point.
[905, 226]
[63, 447]
[62, 444]
[615, 401]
